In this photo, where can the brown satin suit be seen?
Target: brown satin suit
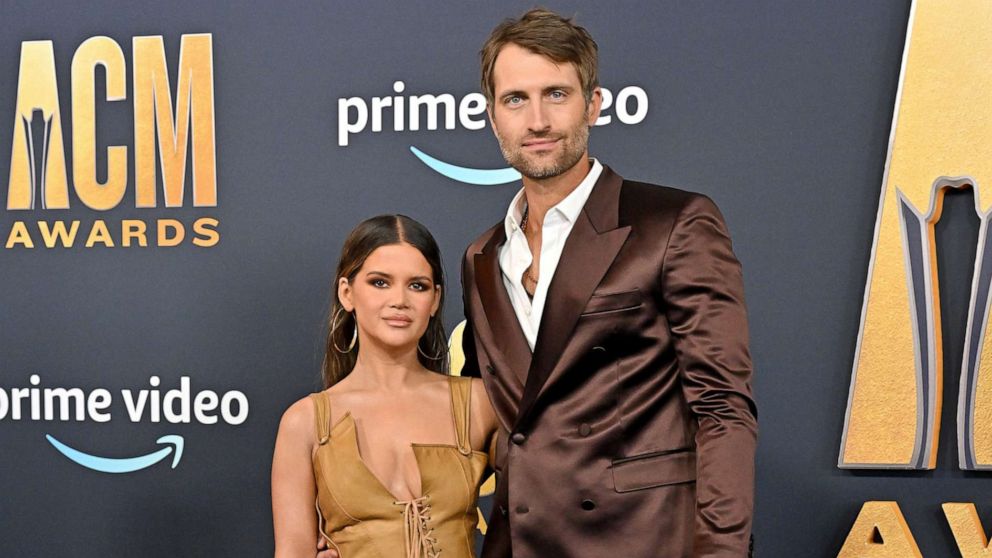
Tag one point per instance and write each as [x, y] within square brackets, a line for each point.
[630, 431]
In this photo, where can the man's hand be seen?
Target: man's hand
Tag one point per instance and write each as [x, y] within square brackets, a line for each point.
[323, 551]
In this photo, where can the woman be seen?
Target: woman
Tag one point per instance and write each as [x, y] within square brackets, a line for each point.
[392, 451]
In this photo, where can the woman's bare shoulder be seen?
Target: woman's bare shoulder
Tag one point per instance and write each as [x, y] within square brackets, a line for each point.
[434, 385]
[298, 420]
[479, 392]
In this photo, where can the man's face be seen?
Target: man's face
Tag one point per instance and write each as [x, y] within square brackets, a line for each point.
[539, 113]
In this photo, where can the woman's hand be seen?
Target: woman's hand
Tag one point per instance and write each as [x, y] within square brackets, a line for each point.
[323, 551]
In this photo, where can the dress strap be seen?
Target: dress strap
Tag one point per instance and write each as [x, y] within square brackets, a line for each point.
[322, 416]
[461, 407]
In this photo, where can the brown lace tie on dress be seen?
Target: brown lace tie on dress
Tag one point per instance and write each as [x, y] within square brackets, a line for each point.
[417, 529]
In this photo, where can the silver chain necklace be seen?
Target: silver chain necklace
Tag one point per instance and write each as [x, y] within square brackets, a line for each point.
[523, 228]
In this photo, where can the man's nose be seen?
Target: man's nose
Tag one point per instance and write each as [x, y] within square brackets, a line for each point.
[537, 118]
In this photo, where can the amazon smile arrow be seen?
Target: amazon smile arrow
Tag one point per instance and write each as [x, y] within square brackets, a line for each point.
[482, 177]
[124, 465]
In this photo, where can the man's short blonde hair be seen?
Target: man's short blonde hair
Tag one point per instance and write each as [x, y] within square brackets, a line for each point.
[546, 33]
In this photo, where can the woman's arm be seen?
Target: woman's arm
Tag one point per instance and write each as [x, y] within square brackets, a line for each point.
[294, 517]
[483, 417]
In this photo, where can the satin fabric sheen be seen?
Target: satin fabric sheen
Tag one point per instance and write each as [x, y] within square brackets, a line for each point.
[631, 428]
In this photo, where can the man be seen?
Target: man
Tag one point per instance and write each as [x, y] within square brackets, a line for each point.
[607, 320]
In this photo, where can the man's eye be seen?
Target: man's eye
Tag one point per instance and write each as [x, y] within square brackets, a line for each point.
[557, 95]
[514, 100]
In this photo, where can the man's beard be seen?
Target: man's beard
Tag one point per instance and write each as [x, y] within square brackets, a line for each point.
[574, 147]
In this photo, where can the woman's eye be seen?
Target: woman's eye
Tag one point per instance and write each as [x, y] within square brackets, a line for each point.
[418, 286]
[379, 283]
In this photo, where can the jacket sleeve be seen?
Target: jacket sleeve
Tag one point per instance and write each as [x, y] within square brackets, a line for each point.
[471, 367]
[704, 299]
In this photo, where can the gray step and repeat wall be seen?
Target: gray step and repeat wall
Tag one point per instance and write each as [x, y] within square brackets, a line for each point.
[177, 284]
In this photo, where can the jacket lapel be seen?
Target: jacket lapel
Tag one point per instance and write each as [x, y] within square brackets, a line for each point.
[511, 344]
[589, 251]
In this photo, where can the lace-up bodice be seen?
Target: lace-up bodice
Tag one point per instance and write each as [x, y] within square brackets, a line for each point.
[361, 518]
[420, 542]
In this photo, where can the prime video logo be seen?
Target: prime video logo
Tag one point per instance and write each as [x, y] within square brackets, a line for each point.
[429, 111]
[179, 405]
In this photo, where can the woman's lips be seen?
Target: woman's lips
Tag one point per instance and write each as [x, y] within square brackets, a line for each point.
[398, 321]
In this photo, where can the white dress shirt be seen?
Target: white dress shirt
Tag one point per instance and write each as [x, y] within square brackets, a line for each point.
[515, 256]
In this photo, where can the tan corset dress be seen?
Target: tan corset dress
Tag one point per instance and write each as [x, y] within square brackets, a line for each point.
[361, 519]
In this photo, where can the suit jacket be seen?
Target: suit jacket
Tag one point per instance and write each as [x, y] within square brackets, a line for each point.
[630, 430]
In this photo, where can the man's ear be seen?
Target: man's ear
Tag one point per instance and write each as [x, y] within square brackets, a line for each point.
[344, 294]
[492, 120]
[594, 106]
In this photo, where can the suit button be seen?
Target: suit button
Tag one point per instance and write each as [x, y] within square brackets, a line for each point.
[584, 430]
[518, 438]
[588, 505]
[522, 509]
[490, 369]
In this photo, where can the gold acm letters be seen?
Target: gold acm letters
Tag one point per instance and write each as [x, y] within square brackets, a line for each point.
[968, 532]
[105, 52]
[153, 110]
[189, 123]
[941, 138]
[37, 90]
[880, 531]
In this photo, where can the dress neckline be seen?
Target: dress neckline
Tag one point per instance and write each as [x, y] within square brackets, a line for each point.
[348, 419]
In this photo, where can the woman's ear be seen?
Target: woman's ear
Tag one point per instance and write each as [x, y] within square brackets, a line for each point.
[437, 300]
[344, 294]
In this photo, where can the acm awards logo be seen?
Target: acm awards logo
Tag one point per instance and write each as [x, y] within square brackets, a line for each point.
[428, 111]
[38, 181]
[941, 134]
[940, 139]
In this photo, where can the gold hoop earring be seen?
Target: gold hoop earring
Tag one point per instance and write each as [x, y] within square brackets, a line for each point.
[334, 327]
[440, 353]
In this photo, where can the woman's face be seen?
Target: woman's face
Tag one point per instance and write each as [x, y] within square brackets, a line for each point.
[393, 296]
